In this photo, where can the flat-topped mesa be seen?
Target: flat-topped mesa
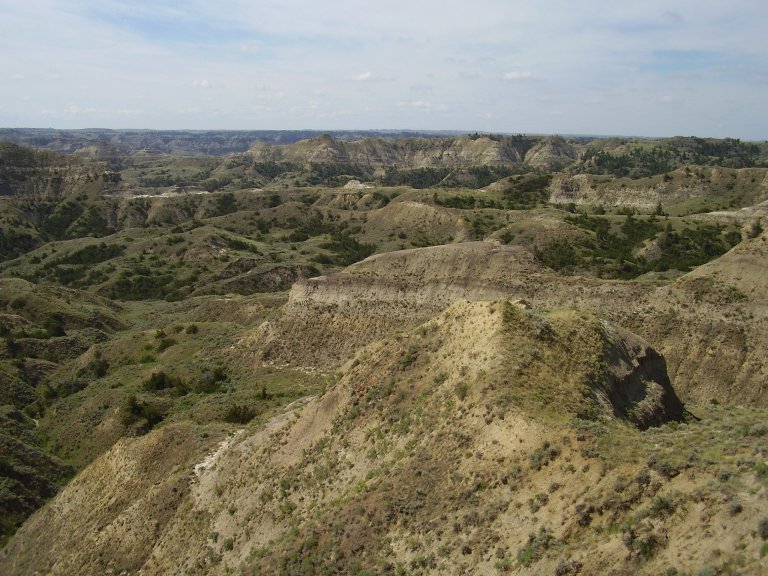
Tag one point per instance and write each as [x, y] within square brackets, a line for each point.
[385, 293]
[432, 277]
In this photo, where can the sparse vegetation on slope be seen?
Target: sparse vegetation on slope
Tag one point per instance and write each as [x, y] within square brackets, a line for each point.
[391, 469]
[464, 396]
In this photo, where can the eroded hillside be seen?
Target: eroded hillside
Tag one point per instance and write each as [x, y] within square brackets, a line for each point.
[709, 324]
[427, 355]
[489, 438]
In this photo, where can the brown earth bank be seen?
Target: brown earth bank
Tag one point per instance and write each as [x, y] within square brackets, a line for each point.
[710, 324]
[463, 408]
[489, 439]
[483, 419]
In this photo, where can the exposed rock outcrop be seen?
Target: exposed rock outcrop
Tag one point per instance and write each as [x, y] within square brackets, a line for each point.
[374, 153]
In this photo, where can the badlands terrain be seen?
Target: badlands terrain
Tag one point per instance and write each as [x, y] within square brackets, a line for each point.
[361, 353]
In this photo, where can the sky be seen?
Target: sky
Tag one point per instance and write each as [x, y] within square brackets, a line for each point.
[651, 68]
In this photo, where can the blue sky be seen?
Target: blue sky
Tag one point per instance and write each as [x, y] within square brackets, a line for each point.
[656, 68]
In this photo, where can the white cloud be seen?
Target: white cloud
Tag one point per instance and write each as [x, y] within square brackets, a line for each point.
[249, 48]
[129, 112]
[422, 88]
[415, 104]
[369, 76]
[266, 58]
[336, 114]
[672, 17]
[517, 76]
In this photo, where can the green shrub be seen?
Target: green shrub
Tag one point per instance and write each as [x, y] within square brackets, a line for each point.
[643, 541]
[762, 528]
[134, 411]
[210, 380]
[666, 469]
[662, 506]
[543, 455]
[18, 303]
[160, 381]
[761, 471]
[557, 254]
[536, 546]
[239, 414]
[348, 249]
[415, 178]
[90, 255]
[54, 325]
[98, 366]
[165, 343]
[70, 386]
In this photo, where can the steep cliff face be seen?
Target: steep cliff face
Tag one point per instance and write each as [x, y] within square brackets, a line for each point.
[635, 385]
[35, 174]
[584, 189]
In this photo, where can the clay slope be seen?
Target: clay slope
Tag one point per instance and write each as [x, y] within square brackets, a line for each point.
[681, 185]
[336, 314]
[551, 154]
[414, 219]
[712, 326]
[709, 324]
[113, 511]
[406, 153]
[466, 445]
